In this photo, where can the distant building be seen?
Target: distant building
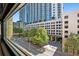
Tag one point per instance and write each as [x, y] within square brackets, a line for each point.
[38, 12]
[70, 24]
[53, 27]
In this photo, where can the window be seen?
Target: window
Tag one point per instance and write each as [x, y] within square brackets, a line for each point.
[59, 27]
[52, 30]
[60, 22]
[53, 4]
[59, 30]
[56, 22]
[66, 26]
[66, 31]
[78, 26]
[53, 23]
[66, 36]
[56, 25]
[53, 33]
[77, 32]
[66, 22]
[78, 20]
[54, 7]
[22, 21]
[56, 33]
[56, 30]
[65, 17]
[59, 33]
[53, 17]
[78, 15]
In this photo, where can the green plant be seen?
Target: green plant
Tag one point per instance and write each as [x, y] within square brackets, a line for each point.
[25, 33]
[40, 37]
[19, 31]
[32, 32]
[72, 42]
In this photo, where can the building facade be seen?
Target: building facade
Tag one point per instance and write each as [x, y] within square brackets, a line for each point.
[38, 12]
[70, 24]
[53, 27]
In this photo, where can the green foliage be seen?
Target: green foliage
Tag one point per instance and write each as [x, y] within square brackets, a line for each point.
[38, 36]
[18, 30]
[32, 32]
[72, 42]
[66, 49]
[25, 33]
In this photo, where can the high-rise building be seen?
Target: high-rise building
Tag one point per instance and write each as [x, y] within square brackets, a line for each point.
[38, 12]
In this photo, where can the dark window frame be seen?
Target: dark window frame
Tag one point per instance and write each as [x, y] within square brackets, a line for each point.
[66, 17]
[66, 31]
[78, 20]
[77, 26]
[66, 22]
[78, 15]
[66, 27]
[66, 36]
[77, 32]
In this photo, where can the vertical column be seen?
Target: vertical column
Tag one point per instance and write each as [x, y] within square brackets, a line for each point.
[9, 28]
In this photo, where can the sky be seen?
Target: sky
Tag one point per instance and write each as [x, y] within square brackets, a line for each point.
[67, 7]
[70, 6]
[16, 17]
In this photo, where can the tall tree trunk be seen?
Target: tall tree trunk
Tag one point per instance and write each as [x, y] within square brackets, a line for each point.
[73, 51]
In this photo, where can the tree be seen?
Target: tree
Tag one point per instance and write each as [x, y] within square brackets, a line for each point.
[33, 32]
[72, 42]
[18, 30]
[40, 37]
[25, 33]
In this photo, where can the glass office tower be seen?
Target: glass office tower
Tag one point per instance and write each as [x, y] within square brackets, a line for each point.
[38, 12]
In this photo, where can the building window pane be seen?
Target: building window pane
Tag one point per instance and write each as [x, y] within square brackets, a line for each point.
[78, 26]
[60, 22]
[78, 15]
[66, 36]
[65, 17]
[77, 32]
[66, 31]
[59, 33]
[66, 22]
[78, 20]
[66, 26]
[59, 27]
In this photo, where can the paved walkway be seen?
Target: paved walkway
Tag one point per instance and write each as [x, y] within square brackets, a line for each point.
[58, 52]
[56, 44]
